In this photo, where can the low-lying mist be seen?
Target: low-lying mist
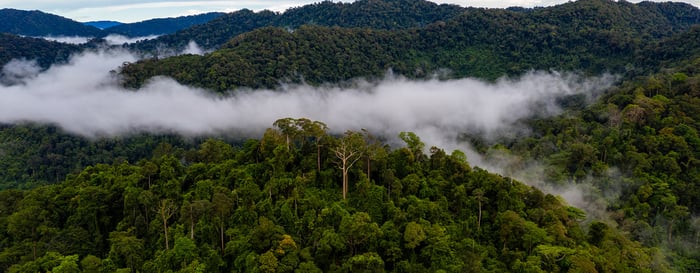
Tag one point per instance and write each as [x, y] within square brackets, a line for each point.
[112, 39]
[84, 98]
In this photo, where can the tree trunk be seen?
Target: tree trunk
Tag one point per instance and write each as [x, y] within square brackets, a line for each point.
[369, 162]
[221, 235]
[478, 224]
[165, 229]
[345, 182]
[191, 223]
[318, 158]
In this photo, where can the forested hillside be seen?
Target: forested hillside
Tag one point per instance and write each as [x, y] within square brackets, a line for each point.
[277, 205]
[593, 36]
[44, 52]
[37, 23]
[391, 14]
[162, 26]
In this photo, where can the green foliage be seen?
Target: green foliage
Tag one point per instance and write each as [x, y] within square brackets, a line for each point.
[484, 43]
[208, 214]
[401, 14]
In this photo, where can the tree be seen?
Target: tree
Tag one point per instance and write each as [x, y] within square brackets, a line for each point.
[369, 262]
[480, 198]
[223, 206]
[91, 264]
[289, 128]
[69, 264]
[413, 234]
[166, 209]
[126, 249]
[358, 229]
[193, 211]
[317, 130]
[348, 151]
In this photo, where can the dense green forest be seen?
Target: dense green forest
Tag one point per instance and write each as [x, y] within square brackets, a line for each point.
[387, 14]
[299, 199]
[592, 36]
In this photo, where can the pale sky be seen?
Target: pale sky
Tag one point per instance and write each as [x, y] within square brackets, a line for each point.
[129, 11]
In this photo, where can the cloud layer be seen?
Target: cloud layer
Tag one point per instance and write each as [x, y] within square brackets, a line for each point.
[84, 98]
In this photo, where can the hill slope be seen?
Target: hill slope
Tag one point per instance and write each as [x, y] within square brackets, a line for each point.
[593, 36]
[162, 26]
[277, 204]
[37, 23]
[384, 14]
[43, 51]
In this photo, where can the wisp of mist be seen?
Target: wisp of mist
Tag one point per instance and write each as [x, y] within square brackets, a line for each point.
[84, 98]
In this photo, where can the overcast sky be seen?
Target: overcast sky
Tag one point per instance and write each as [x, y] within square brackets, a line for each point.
[138, 10]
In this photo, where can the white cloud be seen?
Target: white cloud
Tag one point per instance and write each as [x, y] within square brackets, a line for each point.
[115, 39]
[68, 39]
[84, 98]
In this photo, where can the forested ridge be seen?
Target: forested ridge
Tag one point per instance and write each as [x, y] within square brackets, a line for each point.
[162, 26]
[300, 199]
[37, 23]
[44, 52]
[592, 36]
[386, 14]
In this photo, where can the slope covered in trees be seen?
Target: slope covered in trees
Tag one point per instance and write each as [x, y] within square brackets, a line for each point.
[275, 205]
[385, 14]
[593, 36]
[43, 51]
[162, 26]
[37, 23]
[639, 143]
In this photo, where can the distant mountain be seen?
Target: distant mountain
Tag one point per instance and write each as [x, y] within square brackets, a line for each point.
[37, 23]
[43, 51]
[382, 14]
[162, 25]
[102, 24]
[593, 36]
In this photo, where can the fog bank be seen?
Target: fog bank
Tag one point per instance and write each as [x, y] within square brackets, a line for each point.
[84, 98]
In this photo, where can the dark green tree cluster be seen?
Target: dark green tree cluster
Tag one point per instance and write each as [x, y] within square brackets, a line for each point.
[301, 200]
[33, 155]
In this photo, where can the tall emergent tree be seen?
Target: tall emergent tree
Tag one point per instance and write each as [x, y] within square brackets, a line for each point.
[348, 151]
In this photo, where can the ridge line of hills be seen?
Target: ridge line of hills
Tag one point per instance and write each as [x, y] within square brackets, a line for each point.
[591, 36]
